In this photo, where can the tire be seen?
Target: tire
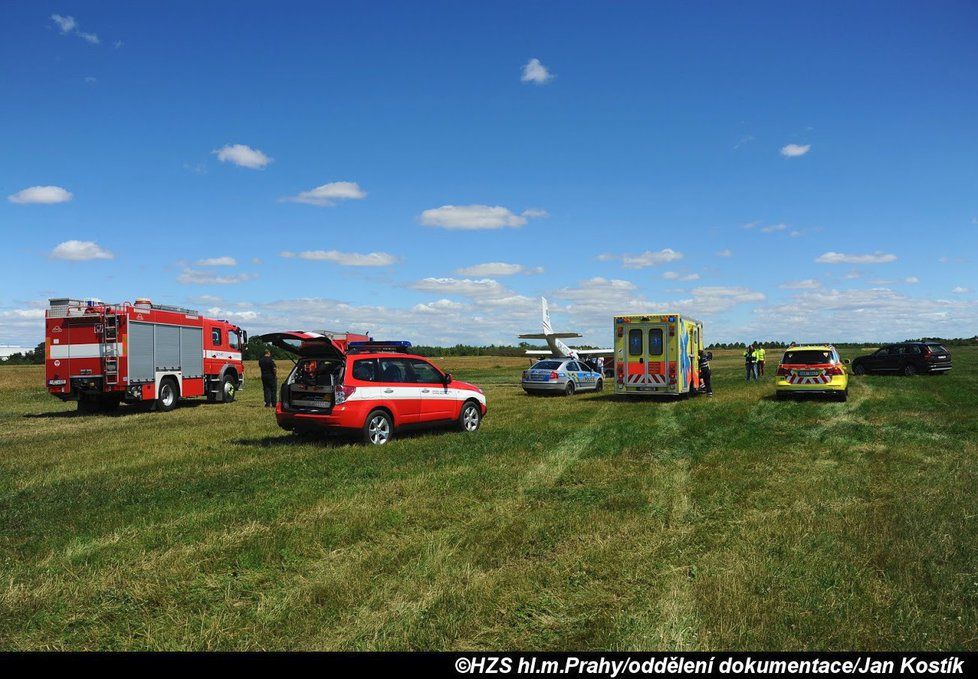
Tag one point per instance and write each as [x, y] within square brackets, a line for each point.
[166, 399]
[569, 389]
[909, 370]
[600, 385]
[842, 397]
[228, 389]
[780, 395]
[470, 418]
[859, 369]
[378, 428]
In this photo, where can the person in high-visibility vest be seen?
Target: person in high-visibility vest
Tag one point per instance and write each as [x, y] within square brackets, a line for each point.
[750, 363]
[760, 352]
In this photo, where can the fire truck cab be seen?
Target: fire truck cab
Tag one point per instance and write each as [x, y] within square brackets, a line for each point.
[657, 354]
[101, 355]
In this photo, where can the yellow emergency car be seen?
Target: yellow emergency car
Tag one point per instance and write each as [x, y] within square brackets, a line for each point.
[812, 369]
[657, 354]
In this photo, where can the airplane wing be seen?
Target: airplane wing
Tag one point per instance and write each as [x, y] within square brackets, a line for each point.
[540, 352]
[595, 352]
[560, 335]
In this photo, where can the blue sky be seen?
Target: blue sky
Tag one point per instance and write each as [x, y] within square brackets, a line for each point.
[428, 170]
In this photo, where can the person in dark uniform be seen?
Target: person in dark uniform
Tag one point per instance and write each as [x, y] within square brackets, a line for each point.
[706, 373]
[269, 381]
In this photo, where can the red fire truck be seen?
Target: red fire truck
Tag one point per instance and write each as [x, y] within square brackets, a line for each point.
[104, 354]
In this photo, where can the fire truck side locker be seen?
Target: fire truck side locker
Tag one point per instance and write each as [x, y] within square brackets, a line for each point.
[157, 350]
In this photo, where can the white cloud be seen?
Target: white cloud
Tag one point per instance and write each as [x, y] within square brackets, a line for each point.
[874, 315]
[676, 276]
[840, 258]
[795, 150]
[197, 277]
[497, 269]
[441, 306]
[329, 194]
[218, 261]
[41, 195]
[911, 279]
[344, 258]
[477, 217]
[725, 253]
[242, 156]
[248, 315]
[743, 141]
[80, 250]
[806, 284]
[772, 228]
[536, 73]
[67, 24]
[482, 287]
[645, 259]
[90, 79]
[960, 290]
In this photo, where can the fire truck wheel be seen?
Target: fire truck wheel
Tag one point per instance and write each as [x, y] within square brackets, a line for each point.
[166, 400]
[227, 389]
[378, 429]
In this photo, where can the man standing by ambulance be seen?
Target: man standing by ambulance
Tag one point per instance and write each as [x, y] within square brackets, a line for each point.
[760, 352]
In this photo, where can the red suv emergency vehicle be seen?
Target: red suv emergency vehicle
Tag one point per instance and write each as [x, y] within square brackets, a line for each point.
[373, 388]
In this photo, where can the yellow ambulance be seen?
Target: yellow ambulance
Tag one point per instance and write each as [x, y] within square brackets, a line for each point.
[657, 354]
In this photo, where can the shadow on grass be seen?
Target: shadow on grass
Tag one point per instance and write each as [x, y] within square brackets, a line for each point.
[801, 398]
[336, 440]
[121, 411]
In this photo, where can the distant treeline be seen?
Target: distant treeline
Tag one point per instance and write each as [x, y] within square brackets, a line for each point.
[255, 348]
[33, 357]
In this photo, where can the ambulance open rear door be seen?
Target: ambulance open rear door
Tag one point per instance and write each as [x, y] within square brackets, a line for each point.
[646, 367]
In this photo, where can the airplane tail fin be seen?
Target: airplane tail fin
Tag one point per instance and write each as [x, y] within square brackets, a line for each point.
[546, 317]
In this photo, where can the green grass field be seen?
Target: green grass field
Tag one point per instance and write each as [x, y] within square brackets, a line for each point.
[585, 523]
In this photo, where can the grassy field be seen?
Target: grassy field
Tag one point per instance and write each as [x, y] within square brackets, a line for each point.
[584, 523]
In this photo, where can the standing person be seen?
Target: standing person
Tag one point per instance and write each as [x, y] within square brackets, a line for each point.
[761, 353]
[706, 373]
[269, 381]
[750, 363]
[601, 365]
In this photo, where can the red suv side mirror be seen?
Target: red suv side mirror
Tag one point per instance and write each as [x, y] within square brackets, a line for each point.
[448, 379]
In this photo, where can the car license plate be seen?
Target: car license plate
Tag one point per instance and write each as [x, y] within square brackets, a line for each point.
[808, 373]
[942, 357]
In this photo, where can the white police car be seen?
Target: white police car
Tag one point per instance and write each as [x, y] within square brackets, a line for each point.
[560, 375]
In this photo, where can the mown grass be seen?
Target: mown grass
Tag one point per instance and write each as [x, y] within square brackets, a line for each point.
[724, 523]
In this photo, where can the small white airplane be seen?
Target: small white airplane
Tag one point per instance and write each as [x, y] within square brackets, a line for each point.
[558, 348]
